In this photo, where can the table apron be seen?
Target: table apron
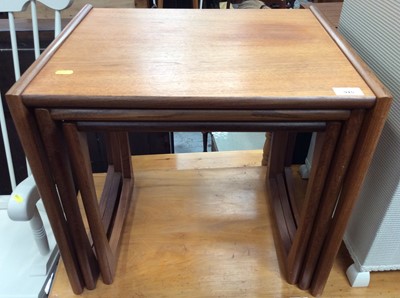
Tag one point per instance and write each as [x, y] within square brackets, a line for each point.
[197, 115]
[201, 126]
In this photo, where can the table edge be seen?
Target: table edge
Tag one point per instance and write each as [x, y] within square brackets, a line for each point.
[263, 102]
[361, 67]
[206, 102]
[18, 88]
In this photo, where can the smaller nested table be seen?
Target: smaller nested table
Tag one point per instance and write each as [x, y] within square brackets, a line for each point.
[120, 70]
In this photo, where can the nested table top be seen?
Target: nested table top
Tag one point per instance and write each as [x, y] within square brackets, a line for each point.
[195, 58]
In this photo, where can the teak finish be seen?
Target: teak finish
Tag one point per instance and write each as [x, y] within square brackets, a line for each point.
[122, 65]
[122, 77]
[197, 232]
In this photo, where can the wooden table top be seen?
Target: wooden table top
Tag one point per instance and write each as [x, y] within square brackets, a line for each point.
[209, 58]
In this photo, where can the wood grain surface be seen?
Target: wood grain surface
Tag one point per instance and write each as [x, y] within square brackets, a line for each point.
[196, 58]
[202, 60]
[202, 228]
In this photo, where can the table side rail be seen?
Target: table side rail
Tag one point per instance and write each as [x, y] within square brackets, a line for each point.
[156, 126]
[205, 102]
[197, 115]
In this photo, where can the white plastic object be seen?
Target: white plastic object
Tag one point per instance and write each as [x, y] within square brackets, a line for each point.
[21, 5]
[22, 207]
[57, 5]
[14, 47]
[23, 200]
[35, 30]
[39, 233]
[24, 270]
[57, 23]
[357, 278]
[13, 5]
[7, 145]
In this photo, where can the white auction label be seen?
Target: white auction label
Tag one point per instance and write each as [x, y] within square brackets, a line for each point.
[347, 91]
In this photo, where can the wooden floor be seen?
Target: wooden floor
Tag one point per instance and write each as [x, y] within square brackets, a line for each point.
[201, 228]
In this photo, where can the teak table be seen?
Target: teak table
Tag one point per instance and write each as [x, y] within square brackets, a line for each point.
[120, 70]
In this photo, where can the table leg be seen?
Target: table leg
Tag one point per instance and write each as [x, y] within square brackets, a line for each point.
[113, 151]
[34, 149]
[277, 152]
[360, 161]
[59, 162]
[120, 168]
[279, 144]
[126, 192]
[80, 160]
[294, 235]
[330, 194]
[111, 184]
[279, 199]
[324, 149]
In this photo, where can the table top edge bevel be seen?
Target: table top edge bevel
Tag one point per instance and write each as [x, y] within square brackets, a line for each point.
[206, 103]
[91, 87]
[366, 73]
[34, 69]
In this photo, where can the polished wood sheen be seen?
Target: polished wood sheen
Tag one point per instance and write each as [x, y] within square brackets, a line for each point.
[197, 115]
[60, 164]
[330, 196]
[171, 70]
[77, 145]
[331, 11]
[136, 72]
[197, 233]
[367, 141]
[325, 145]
